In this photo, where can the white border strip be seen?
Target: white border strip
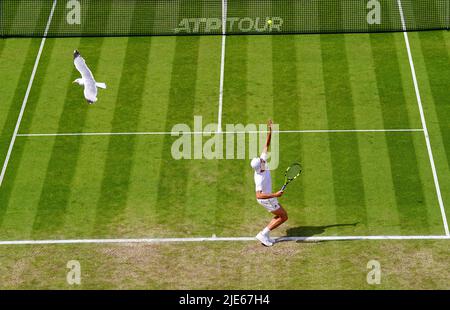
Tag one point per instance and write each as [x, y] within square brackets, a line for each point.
[424, 124]
[222, 64]
[27, 94]
[218, 239]
[209, 133]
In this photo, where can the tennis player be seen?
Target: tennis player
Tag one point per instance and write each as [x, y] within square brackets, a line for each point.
[264, 194]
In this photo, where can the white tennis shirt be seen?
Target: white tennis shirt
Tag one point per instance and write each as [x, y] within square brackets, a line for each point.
[263, 180]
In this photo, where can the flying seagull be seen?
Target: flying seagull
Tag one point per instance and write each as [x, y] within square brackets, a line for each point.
[87, 79]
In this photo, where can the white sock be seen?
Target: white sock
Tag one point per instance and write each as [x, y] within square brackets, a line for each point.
[266, 231]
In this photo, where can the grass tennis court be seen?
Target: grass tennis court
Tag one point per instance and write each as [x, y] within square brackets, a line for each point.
[361, 182]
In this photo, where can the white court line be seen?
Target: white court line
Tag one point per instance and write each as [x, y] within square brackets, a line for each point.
[222, 64]
[25, 100]
[218, 239]
[209, 133]
[424, 124]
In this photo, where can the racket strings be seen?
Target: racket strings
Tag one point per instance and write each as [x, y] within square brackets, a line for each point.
[293, 172]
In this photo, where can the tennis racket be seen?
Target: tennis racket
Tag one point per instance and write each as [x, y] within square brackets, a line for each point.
[291, 174]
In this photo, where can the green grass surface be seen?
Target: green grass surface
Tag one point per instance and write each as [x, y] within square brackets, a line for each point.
[129, 186]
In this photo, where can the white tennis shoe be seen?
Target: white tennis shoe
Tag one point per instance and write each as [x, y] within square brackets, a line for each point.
[265, 240]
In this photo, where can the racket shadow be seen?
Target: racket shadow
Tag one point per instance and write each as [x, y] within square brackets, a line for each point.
[309, 231]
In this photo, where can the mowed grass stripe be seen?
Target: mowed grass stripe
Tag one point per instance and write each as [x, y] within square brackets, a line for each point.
[230, 186]
[87, 181]
[363, 82]
[203, 174]
[395, 114]
[120, 155]
[156, 90]
[345, 158]
[259, 110]
[349, 196]
[402, 153]
[142, 194]
[437, 60]
[119, 161]
[174, 174]
[319, 208]
[286, 110]
[15, 74]
[382, 214]
[50, 216]
[31, 53]
[433, 117]
[259, 85]
[64, 158]
[10, 121]
[14, 111]
[46, 100]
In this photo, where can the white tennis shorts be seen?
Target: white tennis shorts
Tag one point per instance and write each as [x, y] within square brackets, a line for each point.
[270, 204]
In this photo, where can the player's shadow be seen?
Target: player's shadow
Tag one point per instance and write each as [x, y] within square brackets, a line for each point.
[309, 231]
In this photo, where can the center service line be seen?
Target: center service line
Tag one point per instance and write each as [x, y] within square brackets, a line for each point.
[222, 64]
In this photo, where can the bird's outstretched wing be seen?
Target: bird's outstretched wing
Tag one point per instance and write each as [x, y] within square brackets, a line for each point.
[90, 88]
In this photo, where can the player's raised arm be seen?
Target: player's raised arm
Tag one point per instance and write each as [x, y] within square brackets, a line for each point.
[269, 136]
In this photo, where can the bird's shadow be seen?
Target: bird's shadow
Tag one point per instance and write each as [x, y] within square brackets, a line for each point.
[309, 231]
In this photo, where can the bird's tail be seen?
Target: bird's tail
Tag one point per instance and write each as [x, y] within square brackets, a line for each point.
[91, 101]
[101, 85]
[76, 54]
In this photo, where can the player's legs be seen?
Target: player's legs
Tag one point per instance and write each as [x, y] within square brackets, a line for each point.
[280, 217]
